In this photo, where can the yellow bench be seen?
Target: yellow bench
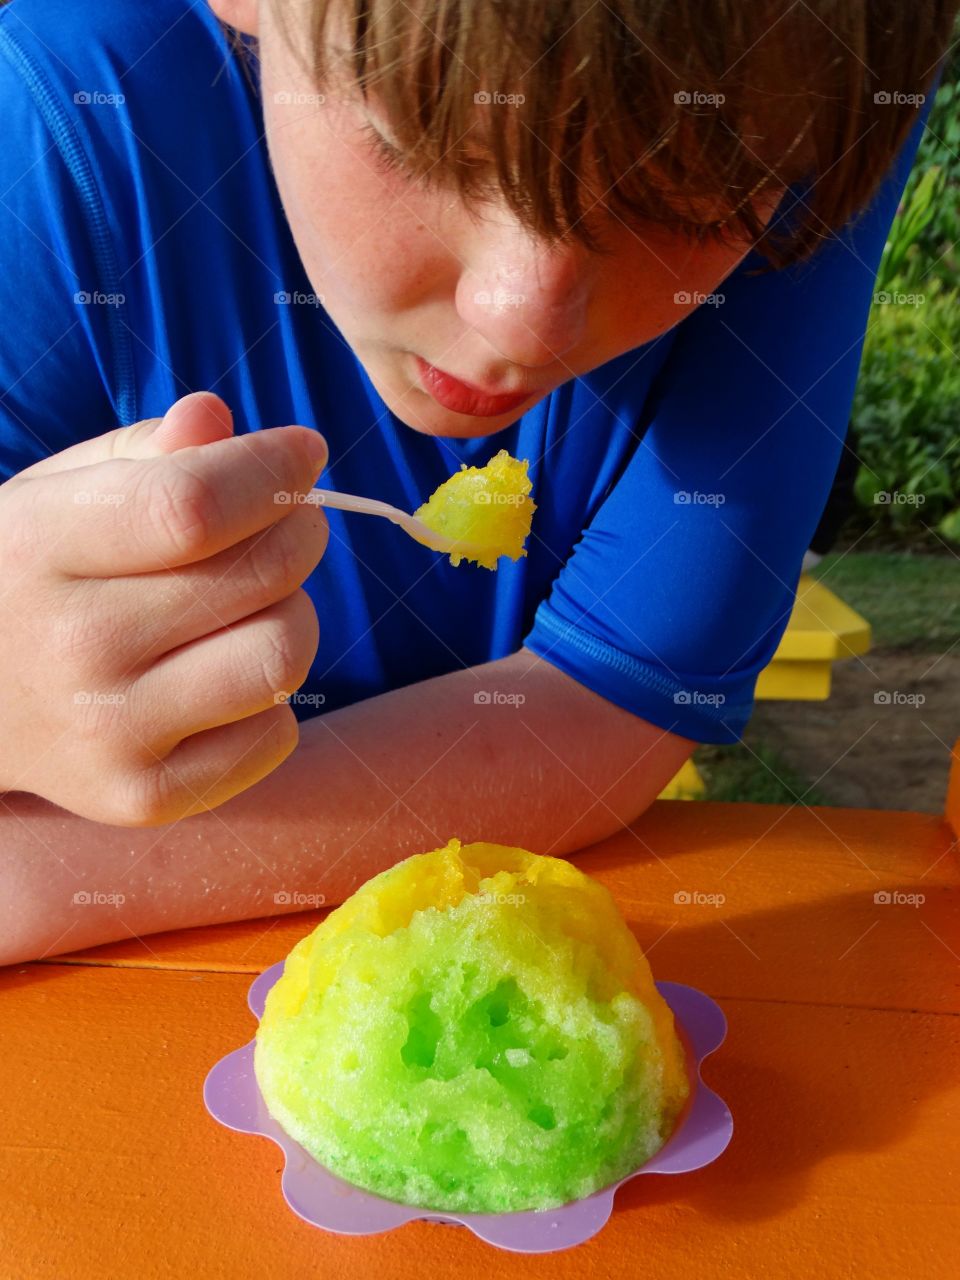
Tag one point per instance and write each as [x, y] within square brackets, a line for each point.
[822, 630]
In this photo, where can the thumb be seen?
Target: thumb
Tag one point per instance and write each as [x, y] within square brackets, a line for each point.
[195, 419]
[199, 418]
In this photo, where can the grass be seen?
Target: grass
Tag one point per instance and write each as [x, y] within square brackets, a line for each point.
[754, 773]
[911, 601]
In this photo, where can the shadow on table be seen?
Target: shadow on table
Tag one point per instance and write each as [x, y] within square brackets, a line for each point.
[837, 1036]
[865, 1097]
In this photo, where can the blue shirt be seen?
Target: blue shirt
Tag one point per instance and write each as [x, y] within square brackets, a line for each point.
[677, 487]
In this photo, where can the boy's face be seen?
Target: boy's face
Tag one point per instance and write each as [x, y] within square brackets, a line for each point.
[413, 279]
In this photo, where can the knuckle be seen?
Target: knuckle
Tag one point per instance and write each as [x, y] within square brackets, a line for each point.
[81, 635]
[307, 623]
[100, 721]
[278, 657]
[285, 652]
[285, 730]
[124, 441]
[300, 466]
[277, 560]
[21, 546]
[316, 532]
[307, 528]
[143, 798]
[180, 508]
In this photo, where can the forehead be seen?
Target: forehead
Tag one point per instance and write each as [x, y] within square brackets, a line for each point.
[531, 144]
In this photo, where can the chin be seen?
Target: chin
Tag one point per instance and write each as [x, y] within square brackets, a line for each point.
[452, 426]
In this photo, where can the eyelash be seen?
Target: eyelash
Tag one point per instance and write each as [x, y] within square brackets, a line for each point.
[386, 152]
[390, 157]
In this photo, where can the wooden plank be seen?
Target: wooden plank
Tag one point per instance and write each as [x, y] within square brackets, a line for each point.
[781, 902]
[952, 806]
[798, 920]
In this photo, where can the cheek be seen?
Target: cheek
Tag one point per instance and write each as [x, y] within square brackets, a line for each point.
[363, 235]
[657, 279]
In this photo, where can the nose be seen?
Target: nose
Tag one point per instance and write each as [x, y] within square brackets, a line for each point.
[527, 298]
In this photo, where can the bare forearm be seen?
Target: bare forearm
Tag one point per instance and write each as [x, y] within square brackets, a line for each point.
[513, 752]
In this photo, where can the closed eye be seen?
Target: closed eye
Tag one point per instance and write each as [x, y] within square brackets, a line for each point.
[385, 151]
[393, 159]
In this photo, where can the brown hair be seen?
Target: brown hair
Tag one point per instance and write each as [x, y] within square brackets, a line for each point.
[678, 109]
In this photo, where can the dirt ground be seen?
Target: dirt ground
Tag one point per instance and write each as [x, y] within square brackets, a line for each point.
[888, 754]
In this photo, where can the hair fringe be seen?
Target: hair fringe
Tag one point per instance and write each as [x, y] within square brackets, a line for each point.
[679, 113]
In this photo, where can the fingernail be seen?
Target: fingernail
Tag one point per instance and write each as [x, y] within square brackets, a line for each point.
[317, 448]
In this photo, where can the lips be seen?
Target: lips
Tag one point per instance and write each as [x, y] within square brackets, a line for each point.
[460, 397]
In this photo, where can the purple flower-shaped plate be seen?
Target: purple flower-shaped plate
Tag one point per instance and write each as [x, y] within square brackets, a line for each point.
[702, 1132]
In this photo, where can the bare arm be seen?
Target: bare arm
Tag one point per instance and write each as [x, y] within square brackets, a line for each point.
[545, 764]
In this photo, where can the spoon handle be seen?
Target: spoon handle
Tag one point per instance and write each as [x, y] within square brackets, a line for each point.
[353, 502]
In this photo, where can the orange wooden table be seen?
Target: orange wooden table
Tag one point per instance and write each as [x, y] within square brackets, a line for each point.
[841, 1067]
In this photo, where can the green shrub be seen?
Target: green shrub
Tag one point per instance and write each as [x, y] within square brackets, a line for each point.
[907, 411]
[936, 252]
[904, 263]
[907, 406]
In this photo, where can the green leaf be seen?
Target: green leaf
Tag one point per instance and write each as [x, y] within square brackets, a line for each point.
[949, 526]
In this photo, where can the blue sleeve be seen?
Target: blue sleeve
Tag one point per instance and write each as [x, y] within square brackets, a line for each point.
[677, 594]
[61, 341]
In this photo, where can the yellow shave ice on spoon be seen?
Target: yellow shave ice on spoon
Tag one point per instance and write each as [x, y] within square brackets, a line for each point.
[486, 508]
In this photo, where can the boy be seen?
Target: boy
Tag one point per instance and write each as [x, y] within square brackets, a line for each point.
[431, 231]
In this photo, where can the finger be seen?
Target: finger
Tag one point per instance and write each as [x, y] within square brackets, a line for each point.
[196, 419]
[124, 517]
[231, 674]
[157, 612]
[207, 769]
